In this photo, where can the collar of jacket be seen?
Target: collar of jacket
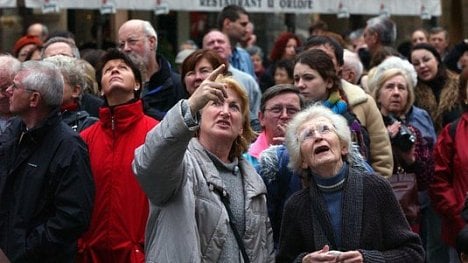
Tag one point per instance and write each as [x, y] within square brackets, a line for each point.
[159, 77]
[37, 133]
[121, 117]
[354, 94]
[253, 184]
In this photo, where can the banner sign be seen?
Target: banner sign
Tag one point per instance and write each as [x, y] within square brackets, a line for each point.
[343, 8]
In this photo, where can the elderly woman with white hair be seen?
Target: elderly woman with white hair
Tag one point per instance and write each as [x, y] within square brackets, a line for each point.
[412, 153]
[416, 116]
[339, 216]
[393, 85]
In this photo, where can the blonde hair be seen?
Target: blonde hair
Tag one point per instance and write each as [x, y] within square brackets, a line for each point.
[241, 143]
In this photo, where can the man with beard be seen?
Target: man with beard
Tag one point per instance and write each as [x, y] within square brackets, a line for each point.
[162, 86]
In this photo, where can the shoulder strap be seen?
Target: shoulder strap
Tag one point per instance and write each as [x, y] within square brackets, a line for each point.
[224, 198]
[284, 174]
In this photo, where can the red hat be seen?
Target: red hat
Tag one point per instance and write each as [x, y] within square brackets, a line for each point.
[26, 40]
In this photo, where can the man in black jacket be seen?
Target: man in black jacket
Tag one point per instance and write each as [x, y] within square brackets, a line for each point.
[46, 186]
[162, 88]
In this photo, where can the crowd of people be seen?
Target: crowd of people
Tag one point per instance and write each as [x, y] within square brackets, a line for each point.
[234, 156]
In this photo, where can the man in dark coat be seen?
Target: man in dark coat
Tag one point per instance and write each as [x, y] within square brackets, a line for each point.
[46, 186]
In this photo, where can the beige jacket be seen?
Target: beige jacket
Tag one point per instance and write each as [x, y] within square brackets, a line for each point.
[365, 108]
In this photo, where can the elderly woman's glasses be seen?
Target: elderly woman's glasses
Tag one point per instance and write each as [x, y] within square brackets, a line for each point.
[310, 133]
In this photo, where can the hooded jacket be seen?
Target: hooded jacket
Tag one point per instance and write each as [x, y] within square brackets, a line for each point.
[188, 221]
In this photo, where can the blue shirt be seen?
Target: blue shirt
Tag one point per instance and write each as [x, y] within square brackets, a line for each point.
[240, 59]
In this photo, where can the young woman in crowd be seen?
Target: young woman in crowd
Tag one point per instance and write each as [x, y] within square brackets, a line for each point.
[437, 88]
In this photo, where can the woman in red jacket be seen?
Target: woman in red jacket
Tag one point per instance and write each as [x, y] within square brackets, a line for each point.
[450, 185]
[116, 232]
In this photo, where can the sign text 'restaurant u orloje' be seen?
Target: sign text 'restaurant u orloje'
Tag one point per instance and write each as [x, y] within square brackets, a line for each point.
[258, 3]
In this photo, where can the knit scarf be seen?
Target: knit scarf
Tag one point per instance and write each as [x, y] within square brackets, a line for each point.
[71, 106]
[336, 103]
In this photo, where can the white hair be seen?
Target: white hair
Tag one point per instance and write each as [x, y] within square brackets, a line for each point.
[312, 112]
[389, 63]
[352, 61]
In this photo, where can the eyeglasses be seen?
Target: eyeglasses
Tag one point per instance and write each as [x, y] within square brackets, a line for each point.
[279, 109]
[14, 86]
[131, 41]
[311, 132]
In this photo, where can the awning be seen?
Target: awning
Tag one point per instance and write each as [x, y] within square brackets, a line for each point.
[7, 3]
[341, 7]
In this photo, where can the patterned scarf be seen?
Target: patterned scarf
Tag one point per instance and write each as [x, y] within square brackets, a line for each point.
[336, 103]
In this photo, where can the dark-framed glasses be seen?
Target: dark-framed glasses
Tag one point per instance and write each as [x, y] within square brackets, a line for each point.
[279, 109]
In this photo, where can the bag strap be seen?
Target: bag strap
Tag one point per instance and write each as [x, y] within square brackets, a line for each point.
[224, 198]
[284, 174]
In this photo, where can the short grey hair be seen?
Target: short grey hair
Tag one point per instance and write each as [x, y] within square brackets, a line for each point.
[9, 66]
[352, 61]
[384, 27]
[45, 78]
[70, 42]
[149, 29]
[70, 69]
[312, 112]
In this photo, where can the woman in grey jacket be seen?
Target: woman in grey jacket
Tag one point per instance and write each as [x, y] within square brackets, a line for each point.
[188, 165]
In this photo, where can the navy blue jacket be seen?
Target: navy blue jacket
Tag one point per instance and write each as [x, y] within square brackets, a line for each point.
[162, 91]
[46, 191]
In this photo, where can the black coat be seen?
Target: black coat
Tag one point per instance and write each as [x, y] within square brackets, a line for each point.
[162, 91]
[46, 191]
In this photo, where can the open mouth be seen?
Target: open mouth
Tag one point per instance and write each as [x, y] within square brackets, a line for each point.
[321, 149]
[223, 123]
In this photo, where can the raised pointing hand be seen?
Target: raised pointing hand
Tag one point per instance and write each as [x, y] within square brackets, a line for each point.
[208, 90]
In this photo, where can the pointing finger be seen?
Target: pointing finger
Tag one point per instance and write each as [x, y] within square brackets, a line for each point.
[214, 74]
